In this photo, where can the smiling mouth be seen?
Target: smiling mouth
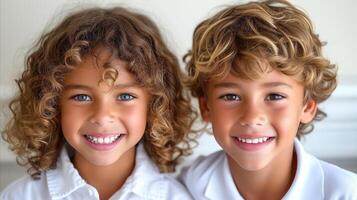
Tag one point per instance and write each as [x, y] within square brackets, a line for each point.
[254, 140]
[103, 140]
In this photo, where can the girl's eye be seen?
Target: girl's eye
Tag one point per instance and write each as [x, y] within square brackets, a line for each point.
[125, 97]
[274, 97]
[81, 97]
[230, 97]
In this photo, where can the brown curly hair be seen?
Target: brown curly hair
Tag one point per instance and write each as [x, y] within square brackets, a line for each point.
[256, 33]
[34, 132]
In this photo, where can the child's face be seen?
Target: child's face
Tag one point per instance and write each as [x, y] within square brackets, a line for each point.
[102, 123]
[256, 121]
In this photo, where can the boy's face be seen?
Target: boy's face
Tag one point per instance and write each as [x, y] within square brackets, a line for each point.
[256, 121]
[102, 123]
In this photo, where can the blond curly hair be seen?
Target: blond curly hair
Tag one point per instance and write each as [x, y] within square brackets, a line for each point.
[34, 132]
[256, 33]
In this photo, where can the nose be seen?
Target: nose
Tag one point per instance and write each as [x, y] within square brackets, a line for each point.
[103, 113]
[252, 115]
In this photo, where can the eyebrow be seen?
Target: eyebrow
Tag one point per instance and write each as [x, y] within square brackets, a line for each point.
[86, 87]
[235, 85]
[226, 85]
[277, 84]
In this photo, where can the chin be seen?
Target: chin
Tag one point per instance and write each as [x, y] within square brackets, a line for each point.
[103, 163]
[252, 164]
[253, 167]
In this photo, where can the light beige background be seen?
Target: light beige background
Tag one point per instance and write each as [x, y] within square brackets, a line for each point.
[22, 22]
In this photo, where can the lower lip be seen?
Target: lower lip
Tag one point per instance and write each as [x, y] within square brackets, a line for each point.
[251, 146]
[104, 147]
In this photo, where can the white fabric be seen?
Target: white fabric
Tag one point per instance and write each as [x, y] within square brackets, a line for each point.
[64, 182]
[209, 178]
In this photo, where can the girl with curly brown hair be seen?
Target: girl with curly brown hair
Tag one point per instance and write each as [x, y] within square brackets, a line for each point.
[101, 112]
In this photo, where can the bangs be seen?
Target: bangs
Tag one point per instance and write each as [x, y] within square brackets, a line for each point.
[250, 66]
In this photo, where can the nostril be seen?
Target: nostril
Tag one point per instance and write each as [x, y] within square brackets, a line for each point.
[253, 122]
[95, 122]
[102, 120]
[244, 124]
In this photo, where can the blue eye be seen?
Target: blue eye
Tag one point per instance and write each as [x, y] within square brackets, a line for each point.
[125, 97]
[81, 97]
[274, 97]
[230, 97]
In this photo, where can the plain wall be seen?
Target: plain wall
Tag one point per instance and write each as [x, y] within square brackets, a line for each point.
[22, 22]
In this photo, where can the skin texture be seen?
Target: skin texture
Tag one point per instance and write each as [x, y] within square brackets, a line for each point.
[90, 106]
[271, 106]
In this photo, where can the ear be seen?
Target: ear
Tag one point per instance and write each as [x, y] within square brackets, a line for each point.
[202, 101]
[309, 111]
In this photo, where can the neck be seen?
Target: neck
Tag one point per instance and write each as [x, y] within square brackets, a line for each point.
[106, 179]
[271, 182]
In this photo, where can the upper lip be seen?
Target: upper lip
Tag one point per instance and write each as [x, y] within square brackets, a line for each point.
[102, 134]
[252, 136]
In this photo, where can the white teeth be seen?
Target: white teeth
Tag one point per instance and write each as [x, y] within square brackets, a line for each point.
[253, 140]
[102, 140]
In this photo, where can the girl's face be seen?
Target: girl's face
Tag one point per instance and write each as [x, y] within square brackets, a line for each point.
[102, 123]
[256, 121]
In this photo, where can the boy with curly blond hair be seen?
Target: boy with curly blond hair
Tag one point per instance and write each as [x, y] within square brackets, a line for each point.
[258, 73]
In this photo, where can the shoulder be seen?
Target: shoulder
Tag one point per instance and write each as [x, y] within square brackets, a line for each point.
[320, 177]
[338, 182]
[196, 176]
[147, 181]
[203, 166]
[160, 187]
[173, 189]
[30, 189]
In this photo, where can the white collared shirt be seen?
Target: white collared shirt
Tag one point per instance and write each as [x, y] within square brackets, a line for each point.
[210, 178]
[64, 182]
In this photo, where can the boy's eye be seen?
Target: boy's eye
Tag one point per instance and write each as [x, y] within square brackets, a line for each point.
[274, 97]
[125, 97]
[81, 97]
[230, 97]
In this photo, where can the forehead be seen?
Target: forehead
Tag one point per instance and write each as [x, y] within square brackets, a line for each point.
[98, 67]
[270, 78]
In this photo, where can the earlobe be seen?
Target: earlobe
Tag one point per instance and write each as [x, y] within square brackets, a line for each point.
[309, 111]
[202, 101]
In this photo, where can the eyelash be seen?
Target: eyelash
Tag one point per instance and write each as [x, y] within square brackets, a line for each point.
[77, 96]
[276, 97]
[230, 97]
[129, 97]
[234, 97]
[84, 97]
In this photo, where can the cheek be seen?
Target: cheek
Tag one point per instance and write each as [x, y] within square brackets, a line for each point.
[66, 118]
[71, 118]
[222, 121]
[285, 118]
[136, 117]
[67, 125]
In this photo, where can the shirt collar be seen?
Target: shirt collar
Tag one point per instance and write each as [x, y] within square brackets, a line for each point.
[140, 180]
[307, 184]
[308, 181]
[65, 179]
[221, 181]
